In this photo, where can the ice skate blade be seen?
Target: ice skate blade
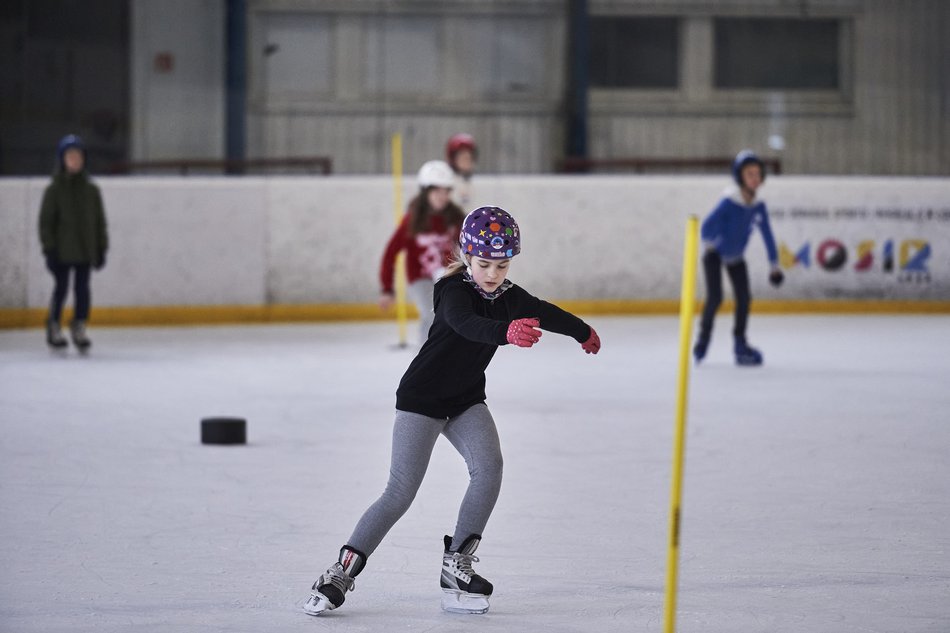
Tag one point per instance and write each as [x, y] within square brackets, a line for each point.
[748, 362]
[461, 602]
[317, 604]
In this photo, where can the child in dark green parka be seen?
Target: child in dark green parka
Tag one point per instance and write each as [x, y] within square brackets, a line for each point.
[74, 238]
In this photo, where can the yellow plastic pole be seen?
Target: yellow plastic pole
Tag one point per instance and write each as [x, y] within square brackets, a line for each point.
[400, 270]
[687, 309]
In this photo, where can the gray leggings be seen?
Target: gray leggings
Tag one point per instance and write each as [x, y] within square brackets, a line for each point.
[420, 292]
[474, 436]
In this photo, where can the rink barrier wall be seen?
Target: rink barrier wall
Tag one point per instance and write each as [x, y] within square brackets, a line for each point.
[260, 249]
[228, 315]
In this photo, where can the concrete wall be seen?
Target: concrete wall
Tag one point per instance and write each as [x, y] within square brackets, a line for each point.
[278, 241]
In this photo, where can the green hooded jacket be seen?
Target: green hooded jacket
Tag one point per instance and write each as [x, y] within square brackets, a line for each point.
[72, 220]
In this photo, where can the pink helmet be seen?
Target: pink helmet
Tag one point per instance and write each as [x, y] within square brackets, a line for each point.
[490, 233]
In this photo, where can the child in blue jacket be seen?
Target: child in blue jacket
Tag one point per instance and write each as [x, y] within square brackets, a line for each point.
[725, 235]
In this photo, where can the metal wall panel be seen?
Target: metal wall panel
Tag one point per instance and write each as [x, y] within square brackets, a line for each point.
[897, 123]
[890, 116]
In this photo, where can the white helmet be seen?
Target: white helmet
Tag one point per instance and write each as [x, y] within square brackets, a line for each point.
[436, 173]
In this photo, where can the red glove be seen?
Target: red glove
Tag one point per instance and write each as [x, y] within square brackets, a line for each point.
[592, 344]
[523, 332]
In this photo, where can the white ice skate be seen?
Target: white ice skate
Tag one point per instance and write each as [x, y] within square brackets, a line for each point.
[329, 591]
[463, 591]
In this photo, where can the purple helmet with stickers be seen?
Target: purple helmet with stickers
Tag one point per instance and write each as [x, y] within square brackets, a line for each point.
[490, 233]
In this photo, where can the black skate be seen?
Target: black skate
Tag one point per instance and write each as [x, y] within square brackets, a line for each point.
[746, 355]
[329, 591]
[699, 349]
[463, 591]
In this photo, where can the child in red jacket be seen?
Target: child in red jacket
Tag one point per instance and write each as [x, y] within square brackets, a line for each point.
[427, 233]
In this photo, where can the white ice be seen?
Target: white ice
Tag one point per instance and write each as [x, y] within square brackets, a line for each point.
[816, 491]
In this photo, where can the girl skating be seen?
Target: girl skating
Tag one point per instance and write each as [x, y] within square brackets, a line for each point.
[443, 393]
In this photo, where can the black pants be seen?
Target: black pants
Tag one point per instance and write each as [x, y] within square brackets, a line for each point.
[60, 272]
[739, 277]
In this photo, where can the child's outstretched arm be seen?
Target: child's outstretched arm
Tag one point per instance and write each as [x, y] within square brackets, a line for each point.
[456, 305]
[554, 319]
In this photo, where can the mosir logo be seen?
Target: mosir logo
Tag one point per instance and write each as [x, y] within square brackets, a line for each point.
[833, 255]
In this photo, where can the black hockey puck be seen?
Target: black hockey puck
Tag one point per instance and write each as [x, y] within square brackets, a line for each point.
[223, 431]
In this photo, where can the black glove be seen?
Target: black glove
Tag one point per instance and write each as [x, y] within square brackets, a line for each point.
[100, 262]
[52, 261]
[776, 277]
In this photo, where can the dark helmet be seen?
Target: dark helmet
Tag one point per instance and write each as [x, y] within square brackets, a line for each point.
[67, 142]
[742, 159]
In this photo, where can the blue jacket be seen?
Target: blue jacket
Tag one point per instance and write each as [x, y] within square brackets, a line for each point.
[728, 227]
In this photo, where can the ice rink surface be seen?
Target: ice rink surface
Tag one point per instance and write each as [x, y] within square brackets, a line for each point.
[816, 491]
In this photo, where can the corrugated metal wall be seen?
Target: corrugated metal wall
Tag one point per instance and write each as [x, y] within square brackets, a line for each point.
[895, 122]
[360, 144]
[889, 116]
[497, 73]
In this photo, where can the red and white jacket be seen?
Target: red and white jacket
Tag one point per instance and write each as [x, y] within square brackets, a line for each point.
[426, 253]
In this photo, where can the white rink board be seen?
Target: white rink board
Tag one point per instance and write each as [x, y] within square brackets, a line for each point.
[254, 241]
[874, 241]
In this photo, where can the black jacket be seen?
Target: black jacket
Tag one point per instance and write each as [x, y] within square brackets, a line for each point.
[448, 375]
[72, 220]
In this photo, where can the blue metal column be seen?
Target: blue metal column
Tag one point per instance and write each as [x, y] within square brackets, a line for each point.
[236, 83]
[578, 78]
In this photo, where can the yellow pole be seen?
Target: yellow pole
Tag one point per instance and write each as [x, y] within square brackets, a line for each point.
[687, 308]
[398, 210]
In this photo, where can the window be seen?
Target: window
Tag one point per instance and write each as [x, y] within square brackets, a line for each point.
[633, 52]
[770, 53]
